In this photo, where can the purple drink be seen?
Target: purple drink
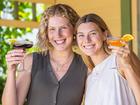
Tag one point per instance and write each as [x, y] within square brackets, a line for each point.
[23, 44]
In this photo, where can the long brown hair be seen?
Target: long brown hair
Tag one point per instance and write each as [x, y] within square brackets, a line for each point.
[95, 19]
[101, 24]
[55, 10]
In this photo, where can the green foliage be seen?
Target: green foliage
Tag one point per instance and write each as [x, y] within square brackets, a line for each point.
[25, 13]
[25, 10]
[1, 5]
[5, 34]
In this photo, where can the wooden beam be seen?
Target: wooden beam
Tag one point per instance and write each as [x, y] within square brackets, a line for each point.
[18, 23]
[38, 1]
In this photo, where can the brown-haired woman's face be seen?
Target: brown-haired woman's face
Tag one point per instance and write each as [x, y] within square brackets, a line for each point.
[90, 38]
[60, 33]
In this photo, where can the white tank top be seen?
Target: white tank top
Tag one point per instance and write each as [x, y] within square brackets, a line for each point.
[105, 86]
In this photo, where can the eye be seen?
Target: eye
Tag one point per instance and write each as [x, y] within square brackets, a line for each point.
[92, 34]
[80, 35]
[51, 29]
[64, 27]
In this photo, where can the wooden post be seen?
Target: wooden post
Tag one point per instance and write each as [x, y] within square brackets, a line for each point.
[16, 10]
[34, 11]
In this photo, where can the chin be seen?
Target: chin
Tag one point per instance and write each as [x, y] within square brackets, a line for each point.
[61, 49]
[89, 53]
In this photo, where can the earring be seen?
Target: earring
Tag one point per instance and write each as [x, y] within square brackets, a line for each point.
[74, 37]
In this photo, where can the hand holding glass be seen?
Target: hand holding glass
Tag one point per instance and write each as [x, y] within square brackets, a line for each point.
[119, 41]
[21, 44]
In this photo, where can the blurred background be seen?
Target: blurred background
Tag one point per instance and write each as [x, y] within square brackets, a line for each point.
[20, 18]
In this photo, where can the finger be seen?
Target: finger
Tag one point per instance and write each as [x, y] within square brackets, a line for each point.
[124, 49]
[121, 53]
[16, 50]
[14, 59]
[12, 54]
[126, 46]
[118, 49]
[14, 62]
[113, 47]
[117, 52]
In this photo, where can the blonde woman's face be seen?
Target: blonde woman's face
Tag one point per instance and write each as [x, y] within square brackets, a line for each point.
[90, 38]
[60, 33]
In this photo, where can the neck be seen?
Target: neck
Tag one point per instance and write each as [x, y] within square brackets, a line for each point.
[61, 56]
[98, 58]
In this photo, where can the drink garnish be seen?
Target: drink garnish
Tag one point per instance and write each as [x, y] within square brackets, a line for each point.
[127, 37]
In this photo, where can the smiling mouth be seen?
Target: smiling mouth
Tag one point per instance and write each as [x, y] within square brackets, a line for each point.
[60, 41]
[89, 46]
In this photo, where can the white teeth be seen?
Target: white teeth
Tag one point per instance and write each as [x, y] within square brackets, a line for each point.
[89, 46]
[59, 41]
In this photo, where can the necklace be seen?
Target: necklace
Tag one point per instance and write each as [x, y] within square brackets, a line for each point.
[57, 66]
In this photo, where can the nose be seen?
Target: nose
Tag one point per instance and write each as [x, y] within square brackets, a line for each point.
[87, 39]
[58, 33]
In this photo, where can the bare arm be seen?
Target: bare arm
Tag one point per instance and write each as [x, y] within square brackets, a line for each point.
[134, 82]
[9, 94]
[133, 76]
[130, 72]
[135, 63]
[16, 88]
[129, 66]
[22, 86]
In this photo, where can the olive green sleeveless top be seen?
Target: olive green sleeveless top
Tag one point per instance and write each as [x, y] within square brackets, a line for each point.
[45, 89]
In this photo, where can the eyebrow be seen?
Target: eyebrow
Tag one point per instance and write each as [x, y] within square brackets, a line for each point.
[79, 32]
[88, 32]
[67, 24]
[92, 31]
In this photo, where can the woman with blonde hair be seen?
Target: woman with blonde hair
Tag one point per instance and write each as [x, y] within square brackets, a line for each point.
[55, 76]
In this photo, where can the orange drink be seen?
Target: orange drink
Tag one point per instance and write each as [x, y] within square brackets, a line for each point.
[118, 41]
[115, 41]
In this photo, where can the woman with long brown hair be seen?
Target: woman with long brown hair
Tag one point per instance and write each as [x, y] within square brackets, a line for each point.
[114, 78]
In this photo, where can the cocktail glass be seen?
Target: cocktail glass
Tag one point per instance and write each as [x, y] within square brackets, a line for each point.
[22, 44]
[115, 41]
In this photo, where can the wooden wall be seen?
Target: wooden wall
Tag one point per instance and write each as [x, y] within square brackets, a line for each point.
[109, 10]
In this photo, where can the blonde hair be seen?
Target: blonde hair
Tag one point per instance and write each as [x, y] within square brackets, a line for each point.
[101, 24]
[55, 10]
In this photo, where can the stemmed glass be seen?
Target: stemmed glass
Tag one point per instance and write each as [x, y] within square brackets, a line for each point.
[21, 44]
[115, 41]
[119, 41]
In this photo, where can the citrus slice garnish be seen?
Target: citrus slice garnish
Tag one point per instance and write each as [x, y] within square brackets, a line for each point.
[127, 37]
